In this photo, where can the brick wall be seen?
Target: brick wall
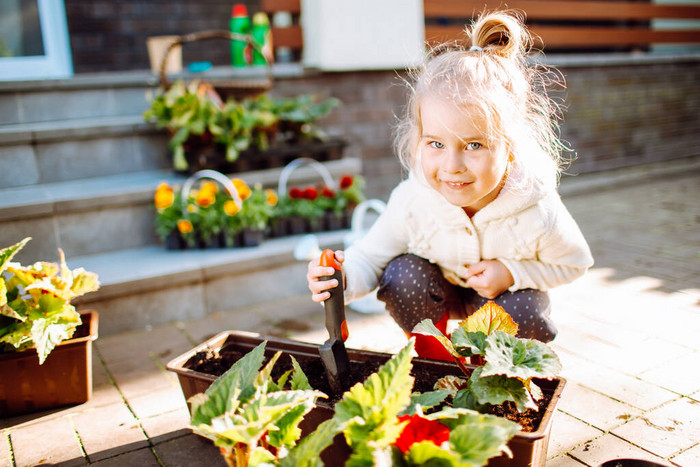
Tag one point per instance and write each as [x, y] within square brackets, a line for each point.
[619, 114]
[109, 36]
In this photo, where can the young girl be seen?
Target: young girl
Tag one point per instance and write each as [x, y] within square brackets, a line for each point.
[479, 217]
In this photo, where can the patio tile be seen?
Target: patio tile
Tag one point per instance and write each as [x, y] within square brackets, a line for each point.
[5, 454]
[50, 442]
[166, 426]
[138, 381]
[567, 433]
[609, 447]
[564, 461]
[109, 431]
[143, 457]
[189, 450]
[154, 403]
[666, 430]
[677, 374]
[594, 408]
[161, 343]
[624, 388]
[688, 458]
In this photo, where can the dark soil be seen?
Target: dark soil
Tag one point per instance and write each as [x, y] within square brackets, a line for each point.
[213, 362]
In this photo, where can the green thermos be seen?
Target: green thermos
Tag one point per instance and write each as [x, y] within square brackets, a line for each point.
[262, 38]
[240, 24]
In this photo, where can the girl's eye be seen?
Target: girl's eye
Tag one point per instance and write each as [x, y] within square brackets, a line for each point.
[436, 145]
[473, 146]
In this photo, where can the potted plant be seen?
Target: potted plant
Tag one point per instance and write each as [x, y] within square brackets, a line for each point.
[529, 445]
[255, 213]
[298, 116]
[255, 419]
[44, 341]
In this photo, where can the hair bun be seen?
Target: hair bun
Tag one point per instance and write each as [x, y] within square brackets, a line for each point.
[501, 33]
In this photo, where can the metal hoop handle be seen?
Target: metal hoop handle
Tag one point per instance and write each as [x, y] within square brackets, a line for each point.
[301, 161]
[358, 214]
[216, 176]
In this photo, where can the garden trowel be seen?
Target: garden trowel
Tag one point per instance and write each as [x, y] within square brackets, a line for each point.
[332, 352]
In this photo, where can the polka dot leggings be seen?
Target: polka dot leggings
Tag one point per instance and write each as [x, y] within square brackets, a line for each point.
[414, 289]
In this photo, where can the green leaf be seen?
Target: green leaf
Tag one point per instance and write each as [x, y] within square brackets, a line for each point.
[6, 254]
[307, 452]
[428, 454]
[299, 379]
[468, 343]
[519, 358]
[218, 397]
[478, 437]
[377, 402]
[427, 328]
[46, 335]
[497, 389]
[426, 400]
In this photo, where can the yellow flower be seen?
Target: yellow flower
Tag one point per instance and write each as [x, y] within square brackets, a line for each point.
[231, 208]
[191, 208]
[184, 226]
[271, 197]
[164, 196]
[210, 187]
[205, 197]
[241, 187]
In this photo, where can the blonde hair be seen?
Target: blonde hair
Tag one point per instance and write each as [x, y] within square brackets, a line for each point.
[490, 74]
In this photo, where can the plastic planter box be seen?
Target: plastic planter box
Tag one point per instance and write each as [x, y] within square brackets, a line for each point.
[529, 449]
[65, 378]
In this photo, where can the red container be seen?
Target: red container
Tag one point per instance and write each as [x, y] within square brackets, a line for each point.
[65, 378]
[529, 449]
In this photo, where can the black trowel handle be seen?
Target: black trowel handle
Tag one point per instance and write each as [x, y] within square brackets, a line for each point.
[335, 305]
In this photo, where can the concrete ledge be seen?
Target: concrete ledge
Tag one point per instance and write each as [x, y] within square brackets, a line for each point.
[150, 286]
[132, 188]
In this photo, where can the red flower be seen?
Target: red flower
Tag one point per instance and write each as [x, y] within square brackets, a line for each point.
[421, 429]
[346, 182]
[327, 192]
[296, 193]
[310, 193]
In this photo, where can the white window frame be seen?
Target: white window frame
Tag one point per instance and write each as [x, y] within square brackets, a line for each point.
[56, 62]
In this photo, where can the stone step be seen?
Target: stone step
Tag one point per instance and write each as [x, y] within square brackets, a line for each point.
[149, 286]
[104, 214]
[48, 152]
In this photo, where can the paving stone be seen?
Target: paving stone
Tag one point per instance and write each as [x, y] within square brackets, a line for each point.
[689, 458]
[108, 431]
[567, 433]
[666, 430]
[677, 374]
[5, 454]
[594, 408]
[151, 404]
[189, 450]
[50, 442]
[624, 388]
[609, 447]
[143, 346]
[564, 461]
[143, 457]
[135, 382]
[168, 425]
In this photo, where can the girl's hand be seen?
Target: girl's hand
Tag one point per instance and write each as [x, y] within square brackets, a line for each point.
[319, 288]
[489, 278]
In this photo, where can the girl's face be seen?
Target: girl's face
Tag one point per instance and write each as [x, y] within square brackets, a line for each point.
[456, 156]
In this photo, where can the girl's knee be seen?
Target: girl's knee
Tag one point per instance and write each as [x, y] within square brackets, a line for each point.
[530, 309]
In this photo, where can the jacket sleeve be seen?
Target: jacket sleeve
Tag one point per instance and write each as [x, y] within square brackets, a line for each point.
[367, 258]
[562, 253]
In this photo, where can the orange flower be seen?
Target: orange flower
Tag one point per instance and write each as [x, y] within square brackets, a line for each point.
[271, 197]
[184, 226]
[210, 187]
[205, 197]
[241, 187]
[231, 208]
[164, 196]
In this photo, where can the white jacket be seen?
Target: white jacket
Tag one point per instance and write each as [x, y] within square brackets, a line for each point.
[531, 233]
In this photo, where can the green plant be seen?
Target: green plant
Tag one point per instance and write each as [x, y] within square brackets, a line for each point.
[258, 208]
[35, 308]
[255, 420]
[299, 114]
[505, 364]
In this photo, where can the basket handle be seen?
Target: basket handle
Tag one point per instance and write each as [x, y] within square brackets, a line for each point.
[358, 214]
[298, 162]
[214, 175]
[196, 36]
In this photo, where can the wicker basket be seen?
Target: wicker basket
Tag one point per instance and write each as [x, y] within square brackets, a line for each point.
[229, 88]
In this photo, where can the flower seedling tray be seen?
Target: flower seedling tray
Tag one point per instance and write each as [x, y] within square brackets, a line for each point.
[65, 378]
[529, 448]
